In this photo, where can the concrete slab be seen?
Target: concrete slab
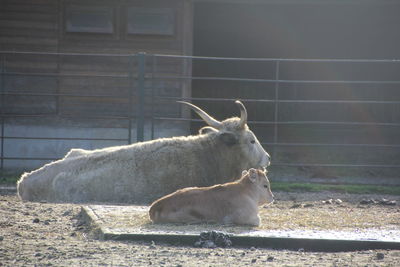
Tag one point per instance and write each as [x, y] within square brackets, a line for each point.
[132, 223]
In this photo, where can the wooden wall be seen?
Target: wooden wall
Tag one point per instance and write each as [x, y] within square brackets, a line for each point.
[28, 25]
[76, 85]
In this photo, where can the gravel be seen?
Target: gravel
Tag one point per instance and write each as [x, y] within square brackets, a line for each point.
[44, 234]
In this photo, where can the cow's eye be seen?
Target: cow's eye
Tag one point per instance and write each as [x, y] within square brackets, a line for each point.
[266, 186]
[253, 141]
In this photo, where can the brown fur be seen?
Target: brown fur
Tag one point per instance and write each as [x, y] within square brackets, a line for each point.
[236, 202]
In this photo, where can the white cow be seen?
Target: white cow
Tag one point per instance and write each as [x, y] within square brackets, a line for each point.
[230, 203]
[143, 172]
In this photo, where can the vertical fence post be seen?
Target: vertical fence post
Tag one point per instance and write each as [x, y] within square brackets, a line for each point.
[130, 95]
[276, 108]
[153, 70]
[58, 82]
[2, 109]
[140, 96]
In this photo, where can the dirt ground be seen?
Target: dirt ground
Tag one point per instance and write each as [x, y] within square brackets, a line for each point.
[44, 234]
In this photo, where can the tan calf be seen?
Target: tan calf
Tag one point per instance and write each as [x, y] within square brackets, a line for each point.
[231, 203]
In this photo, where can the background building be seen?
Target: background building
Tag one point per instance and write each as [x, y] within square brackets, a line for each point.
[71, 76]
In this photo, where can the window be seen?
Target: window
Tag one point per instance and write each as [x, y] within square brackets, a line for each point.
[152, 21]
[81, 19]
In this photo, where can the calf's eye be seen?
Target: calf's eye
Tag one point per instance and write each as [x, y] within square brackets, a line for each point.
[266, 186]
[253, 141]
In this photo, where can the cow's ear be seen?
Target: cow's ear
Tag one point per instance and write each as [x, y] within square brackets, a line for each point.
[244, 173]
[207, 129]
[229, 138]
[253, 175]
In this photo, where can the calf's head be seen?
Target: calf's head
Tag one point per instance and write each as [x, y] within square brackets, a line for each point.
[259, 183]
[235, 133]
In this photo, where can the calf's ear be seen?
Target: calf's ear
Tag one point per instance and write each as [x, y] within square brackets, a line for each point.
[244, 172]
[253, 175]
[229, 138]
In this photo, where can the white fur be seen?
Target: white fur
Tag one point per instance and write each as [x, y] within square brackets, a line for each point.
[142, 172]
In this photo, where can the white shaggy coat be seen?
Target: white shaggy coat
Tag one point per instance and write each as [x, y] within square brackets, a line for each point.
[143, 172]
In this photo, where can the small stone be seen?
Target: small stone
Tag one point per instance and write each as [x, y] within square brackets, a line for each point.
[67, 213]
[308, 205]
[209, 244]
[152, 245]
[253, 260]
[387, 202]
[252, 248]
[329, 201]
[1, 238]
[380, 256]
[295, 206]
[198, 244]
[270, 258]
[365, 201]
[213, 239]
[38, 254]
[36, 220]
[338, 201]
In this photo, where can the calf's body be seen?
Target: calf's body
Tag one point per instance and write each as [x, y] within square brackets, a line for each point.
[231, 203]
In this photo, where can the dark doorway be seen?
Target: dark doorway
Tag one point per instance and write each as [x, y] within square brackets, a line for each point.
[290, 29]
[309, 29]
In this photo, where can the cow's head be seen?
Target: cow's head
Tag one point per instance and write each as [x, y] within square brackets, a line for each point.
[261, 186]
[235, 133]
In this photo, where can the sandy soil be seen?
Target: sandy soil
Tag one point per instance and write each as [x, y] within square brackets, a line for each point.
[44, 234]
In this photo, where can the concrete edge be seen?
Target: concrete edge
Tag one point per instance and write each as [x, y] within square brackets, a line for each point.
[307, 244]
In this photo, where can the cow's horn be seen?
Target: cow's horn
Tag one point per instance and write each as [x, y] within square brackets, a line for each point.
[243, 113]
[207, 118]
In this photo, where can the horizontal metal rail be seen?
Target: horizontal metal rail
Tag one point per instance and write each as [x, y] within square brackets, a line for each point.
[249, 100]
[49, 115]
[202, 57]
[31, 158]
[273, 80]
[332, 145]
[63, 74]
[211, 99]
[334, 165]
[65, 138]
[132, 75]
[64, 54]
[282, 59]
[62, 94]
[294, 122]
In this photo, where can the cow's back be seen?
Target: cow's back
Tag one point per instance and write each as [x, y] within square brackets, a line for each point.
[211, 204]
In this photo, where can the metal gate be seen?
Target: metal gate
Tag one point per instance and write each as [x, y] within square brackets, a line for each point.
[313, 123]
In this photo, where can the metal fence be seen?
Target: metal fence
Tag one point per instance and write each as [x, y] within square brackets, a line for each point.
[149, 86]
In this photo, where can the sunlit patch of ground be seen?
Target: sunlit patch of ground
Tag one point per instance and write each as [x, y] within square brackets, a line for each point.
[286, 214]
